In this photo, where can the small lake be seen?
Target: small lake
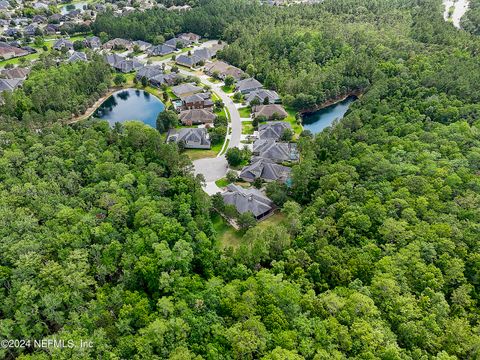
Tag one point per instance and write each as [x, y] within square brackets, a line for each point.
[319, 120]
[65, 9]
[130, 104]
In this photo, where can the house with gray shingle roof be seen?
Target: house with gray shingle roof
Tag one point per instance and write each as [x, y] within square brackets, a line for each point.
[196, 116]
[262, 94]
[9, 84]
[271, 111]
[149, 72]
[247, 86]
[190, 138]
[77, 56]
[122, 64]
[15, 73]
[222, 69]
[63, 43]
[185, 90]
[160, 50]
[248, 200]
[265, 169]
[189, 61]
[273, 130]
[175, 42]
[276, 151]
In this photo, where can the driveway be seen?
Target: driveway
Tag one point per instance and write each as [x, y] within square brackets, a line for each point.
[212, 169]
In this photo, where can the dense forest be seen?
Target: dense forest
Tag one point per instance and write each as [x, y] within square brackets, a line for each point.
[53, 92]
[106, 235]
[471, 20]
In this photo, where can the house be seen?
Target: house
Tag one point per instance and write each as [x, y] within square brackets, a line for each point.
[160, 50]
[77, 56]
[190, 138]
[122, 64]
[40, 6]
[180, 8]
[196, 116]
[167, 79]
[264, 95]
[51, 29]
[271, 111]
[276, 151]
[55, 18]
[273, 130]
[205, 54]
[39, 19]
[189, 61]
[193, 38]
[185, 90]
[178, 43]
[142, 45]
[149, 72]
[63, 43]
[15, 73]
[222, 70]
[31, 29]
[197, 101]
[4, 5]
[12, 32]
[93, 42]
[8, 51]
[265, 169]
[9, 84]
[248, 200]
[118, 44]
[247, 86]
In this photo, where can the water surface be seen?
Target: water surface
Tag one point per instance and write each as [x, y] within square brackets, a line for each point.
[319, 120]
[130, 104]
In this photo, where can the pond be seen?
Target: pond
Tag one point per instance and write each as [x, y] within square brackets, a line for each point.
[319, 120]
[130, 104]
[65, 9]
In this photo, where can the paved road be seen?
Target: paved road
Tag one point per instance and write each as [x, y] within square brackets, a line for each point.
[214, 169]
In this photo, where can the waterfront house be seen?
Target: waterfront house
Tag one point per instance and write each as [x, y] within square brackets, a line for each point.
[248, 200]
[271, 112]
[196, 116]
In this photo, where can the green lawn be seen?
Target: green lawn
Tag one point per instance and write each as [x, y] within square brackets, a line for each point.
[195, 154]
[221, 183]
[245, 112]
[297, 128]
[230, 237]
[247, 128]
[228, 89]
[213, 80]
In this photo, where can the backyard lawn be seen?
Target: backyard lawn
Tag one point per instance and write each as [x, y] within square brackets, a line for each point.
[228, 89]
[195, 154]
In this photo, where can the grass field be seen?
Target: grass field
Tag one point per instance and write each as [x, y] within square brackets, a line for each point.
[297, 128]
[230, 237]
[245, 112]
[228, 89]
[247, 128]
[221, 183]
[195, 154]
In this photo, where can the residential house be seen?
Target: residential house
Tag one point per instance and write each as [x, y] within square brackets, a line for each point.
[7, 51]
[40, 6]
[196, 116]
[185, 90]
[265, 169]
[167, 79]
[51, 29]
[149, 72]
[4, 5]
[55, 18]
[30, 30]
[15, 73]
[142, 45]
[193, 38]
[180, 8]
[273, 130]
[276, 151]
[188, 61]
[9, 84]
[222, 70]
[263, 96]
[77, 56]
[123, 64]
[190, 138]
[12, 32]
[248, 200]
[197, 101]
[63, 43]
[271, 111]
[39, 19]
[118, 44]
[93, 42]
[178, 43]
[247, 86]
[160, 50]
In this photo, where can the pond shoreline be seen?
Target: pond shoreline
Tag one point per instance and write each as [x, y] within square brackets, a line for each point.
[357, 93]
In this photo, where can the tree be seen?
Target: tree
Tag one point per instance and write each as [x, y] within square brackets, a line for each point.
[229, 80]
[167, 120]
[287, 135]
[232, 176]
[119, 79]
[144, 81]
[246, 220]
[78, 45]
[237, 97]
[234, 156]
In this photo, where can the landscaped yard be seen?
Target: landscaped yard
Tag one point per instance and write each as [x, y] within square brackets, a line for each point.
[247, 128]
[195, 154]
[230, 237]
[221, 183]
[245, 112]
[228, 89]
[297, 128]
